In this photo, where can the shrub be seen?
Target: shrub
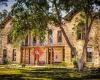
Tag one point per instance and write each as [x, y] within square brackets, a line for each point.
[6, 61]
[23, 65]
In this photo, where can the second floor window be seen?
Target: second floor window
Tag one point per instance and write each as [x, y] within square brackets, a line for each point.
[59, 36]
[50, 36]
[34, 40]
[42, 38]
[8, 39]
[26, 41]
[80, 31]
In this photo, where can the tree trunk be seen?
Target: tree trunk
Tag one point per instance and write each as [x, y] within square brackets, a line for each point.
[73, 49]
[81, 61]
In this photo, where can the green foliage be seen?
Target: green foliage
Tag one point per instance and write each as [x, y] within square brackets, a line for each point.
[28, 19]
[6, 61]
[79, 28]
[66, 64]
[63, 64]
[32, 16]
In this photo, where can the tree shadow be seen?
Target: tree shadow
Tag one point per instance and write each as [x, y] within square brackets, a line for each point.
[11, 77]
[51, 74]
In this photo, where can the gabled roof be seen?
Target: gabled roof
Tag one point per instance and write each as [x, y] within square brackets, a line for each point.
[71, 14]
[5, 21]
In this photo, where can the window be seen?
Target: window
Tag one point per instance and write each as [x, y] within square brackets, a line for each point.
[8, 39]
[34, 40]
[4, 56]
[23, 42]
[72, 56]
[42, 38]
[14, 55]
[30, 40]
[80, 31]
[89, 54]
[26, 41]
[59, 36]
[50, 36]
[4, 53]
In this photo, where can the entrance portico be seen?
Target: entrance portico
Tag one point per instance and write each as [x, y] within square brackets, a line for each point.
[46, 55]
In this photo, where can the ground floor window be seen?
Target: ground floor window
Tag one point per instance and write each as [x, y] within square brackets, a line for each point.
[89, 54]
[4, 56]
[72, 56]
[4, 53]
[14, 55]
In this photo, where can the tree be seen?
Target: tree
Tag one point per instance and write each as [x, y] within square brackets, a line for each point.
[91, 10]
[51, 10]
[28, 18]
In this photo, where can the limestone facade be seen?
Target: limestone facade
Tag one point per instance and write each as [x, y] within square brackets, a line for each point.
[53, 50]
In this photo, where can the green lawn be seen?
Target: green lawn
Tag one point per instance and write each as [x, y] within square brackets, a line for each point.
[46, 74]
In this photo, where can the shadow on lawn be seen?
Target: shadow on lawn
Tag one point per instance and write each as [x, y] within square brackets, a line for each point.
[11, 77]
[50, 74]
[62, 74]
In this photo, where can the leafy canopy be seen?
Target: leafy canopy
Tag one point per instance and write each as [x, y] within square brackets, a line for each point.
[32, 16]
[28, 18]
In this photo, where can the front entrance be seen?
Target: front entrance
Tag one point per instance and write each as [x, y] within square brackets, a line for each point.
[46, 55]
[50, 55]
[56, 55]
[25, 55]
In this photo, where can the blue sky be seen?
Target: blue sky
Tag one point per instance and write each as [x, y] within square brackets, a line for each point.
[10, 3]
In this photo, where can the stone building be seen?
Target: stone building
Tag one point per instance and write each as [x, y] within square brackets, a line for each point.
[54, 49]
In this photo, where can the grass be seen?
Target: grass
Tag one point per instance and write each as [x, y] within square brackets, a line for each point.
[46, 73]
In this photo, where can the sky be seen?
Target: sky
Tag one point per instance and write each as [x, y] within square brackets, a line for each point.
[9, 3]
